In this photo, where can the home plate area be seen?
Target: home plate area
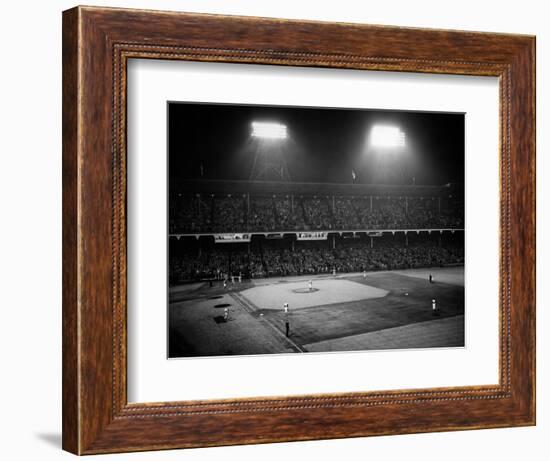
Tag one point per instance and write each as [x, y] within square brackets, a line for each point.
[298, 294]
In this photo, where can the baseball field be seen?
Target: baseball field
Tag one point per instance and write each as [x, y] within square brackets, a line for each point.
[397, 309]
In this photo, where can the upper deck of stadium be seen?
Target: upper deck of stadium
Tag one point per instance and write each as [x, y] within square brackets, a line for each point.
[205, 207]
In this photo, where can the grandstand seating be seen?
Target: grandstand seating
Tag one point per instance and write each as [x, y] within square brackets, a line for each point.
[202, 208]
[282, 257]
[202, 213]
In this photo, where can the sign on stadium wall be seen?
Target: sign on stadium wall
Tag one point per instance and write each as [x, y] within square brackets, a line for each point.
[231, 238]
[311, 236]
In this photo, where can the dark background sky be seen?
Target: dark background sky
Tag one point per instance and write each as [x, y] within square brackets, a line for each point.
[324, 145]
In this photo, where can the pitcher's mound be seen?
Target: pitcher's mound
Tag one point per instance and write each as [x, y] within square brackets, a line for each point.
[305, 290]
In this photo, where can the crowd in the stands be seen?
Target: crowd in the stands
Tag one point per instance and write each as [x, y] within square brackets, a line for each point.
[269, 259]
[243, 213]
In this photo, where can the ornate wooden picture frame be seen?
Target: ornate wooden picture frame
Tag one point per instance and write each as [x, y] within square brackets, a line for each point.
[97, 44]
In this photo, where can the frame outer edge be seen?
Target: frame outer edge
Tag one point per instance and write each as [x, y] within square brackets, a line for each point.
[528, 67]
[70, 273]
[522, 234]
[533, 179]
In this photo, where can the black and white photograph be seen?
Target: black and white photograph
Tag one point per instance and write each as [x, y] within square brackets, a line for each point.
[313, 229]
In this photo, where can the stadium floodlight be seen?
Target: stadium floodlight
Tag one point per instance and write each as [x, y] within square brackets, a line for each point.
[387, 136]
[269, 130]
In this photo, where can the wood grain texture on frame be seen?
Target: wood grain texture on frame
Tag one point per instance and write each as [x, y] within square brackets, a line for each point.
[97, 42]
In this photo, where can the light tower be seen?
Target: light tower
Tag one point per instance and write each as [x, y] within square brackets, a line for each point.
[387, 137]
[387, 145]
[270, 146]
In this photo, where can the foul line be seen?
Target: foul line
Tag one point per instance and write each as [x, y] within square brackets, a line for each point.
[251, 309]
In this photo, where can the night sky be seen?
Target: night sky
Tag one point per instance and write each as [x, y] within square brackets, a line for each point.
[324, 145]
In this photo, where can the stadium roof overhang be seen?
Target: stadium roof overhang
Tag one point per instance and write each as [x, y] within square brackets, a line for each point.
[298, 188]
[368, 232]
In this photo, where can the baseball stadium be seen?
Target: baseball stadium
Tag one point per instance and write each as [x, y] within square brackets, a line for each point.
[272, 260]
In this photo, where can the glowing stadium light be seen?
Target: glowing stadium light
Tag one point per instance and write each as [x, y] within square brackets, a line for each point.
[387, 136]
[268, 130]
